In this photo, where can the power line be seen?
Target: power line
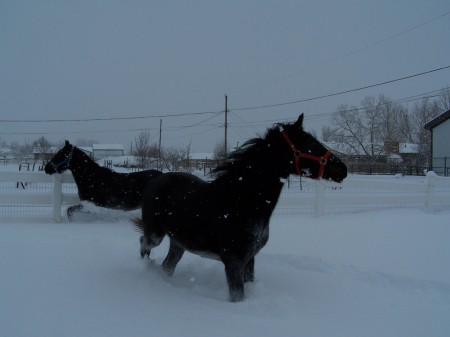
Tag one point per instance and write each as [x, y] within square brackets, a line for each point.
[106, 119]
[219, 112]
[417, 97]
[244, 123]
[350, 53]
[341, 92]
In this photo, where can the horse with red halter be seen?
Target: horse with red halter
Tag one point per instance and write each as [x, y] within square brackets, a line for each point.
[228, 218]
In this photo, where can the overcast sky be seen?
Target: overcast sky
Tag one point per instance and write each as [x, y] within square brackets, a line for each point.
[90, 59]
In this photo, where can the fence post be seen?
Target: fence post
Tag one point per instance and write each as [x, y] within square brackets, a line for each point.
[57, 197]
[445, 167]
[320, 198]
[431, 184]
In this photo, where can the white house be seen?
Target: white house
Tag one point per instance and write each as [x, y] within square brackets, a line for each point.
[440, 143]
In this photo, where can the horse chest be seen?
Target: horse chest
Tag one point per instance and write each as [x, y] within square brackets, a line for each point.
[258, 237]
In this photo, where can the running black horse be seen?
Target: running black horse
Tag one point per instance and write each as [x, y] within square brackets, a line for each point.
[97, 184]
[228, 219]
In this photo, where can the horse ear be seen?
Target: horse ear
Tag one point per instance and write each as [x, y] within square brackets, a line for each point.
[299, 122]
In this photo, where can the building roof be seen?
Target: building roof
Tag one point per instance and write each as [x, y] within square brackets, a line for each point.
[438, 120]
[49, 150]
[107, 147]
[201, 155]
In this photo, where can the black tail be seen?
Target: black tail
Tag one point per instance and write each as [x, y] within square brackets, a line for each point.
[138, 224]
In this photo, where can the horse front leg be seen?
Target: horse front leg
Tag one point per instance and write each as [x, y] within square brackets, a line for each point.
[173, 257]
[72, 209]
[234, 269]
[249, 271]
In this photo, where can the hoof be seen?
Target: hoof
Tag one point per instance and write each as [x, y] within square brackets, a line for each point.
[144, 250]
[143, 253]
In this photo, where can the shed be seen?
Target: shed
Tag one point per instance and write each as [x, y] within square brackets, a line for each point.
[440, 140]
[100, 151]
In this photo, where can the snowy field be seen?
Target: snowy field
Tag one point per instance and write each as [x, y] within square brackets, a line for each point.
[383, 273]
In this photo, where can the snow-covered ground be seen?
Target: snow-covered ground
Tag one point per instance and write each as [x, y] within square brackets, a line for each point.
[383, 273]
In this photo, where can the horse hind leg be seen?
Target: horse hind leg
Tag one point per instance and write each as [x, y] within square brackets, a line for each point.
[144, 250]
[173, 257]
[234, 270]
[153, 235]
[149, 242]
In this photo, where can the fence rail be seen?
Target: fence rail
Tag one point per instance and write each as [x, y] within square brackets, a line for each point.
[37, 190]
[358, 194]
[25, 190]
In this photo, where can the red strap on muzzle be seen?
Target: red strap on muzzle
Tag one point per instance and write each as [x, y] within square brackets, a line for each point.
[298, 154]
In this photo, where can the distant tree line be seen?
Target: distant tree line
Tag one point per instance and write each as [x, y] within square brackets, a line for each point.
[367, 130]
[363, 131]
[150, 155]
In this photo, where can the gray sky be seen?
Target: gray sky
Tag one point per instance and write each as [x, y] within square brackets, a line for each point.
[90, 59]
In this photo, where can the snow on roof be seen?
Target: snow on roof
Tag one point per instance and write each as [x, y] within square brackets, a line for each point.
[394, 156]
[107, 147]
[438, 120]
[4, 152]
[201, 155]
[408, 148]
[86, 149]
[51, 149]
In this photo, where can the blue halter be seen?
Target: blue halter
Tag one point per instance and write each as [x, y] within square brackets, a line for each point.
[64, 162]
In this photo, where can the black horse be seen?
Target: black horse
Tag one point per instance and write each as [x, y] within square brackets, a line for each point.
[228, 219]
[100, 185]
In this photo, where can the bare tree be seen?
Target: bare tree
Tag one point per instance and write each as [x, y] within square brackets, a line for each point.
[357, 132]
[173, 159]
[21, 152]
[327, 134]
[144, 150]
[444, 100]
[378, 124]
[421, 114]
[43, 147]
[219, 151]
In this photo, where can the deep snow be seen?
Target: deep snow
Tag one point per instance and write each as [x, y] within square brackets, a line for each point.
[383, 273]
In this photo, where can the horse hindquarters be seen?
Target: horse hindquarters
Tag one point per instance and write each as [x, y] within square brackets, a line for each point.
[151, 226]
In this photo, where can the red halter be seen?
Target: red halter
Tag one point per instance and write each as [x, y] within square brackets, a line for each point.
[298, 154]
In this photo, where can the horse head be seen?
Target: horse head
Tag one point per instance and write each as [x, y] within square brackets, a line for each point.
[308, 156]
[61, 160]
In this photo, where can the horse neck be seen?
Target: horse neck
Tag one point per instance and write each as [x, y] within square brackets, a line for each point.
[83, 167]
[260, 175]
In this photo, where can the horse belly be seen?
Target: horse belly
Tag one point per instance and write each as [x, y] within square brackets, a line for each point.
[193, 235]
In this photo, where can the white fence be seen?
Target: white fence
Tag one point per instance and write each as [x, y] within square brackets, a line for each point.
[23, 193]
[366, 193]
[36, 193]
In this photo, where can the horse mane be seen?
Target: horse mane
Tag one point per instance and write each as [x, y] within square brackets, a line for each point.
[91, 168]
[89, 160]
[250, 152]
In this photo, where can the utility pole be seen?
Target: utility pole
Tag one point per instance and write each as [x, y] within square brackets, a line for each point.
[159, 148]
[226, 127]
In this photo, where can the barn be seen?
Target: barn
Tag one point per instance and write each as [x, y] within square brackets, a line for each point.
[440, 143]
[100, 151]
